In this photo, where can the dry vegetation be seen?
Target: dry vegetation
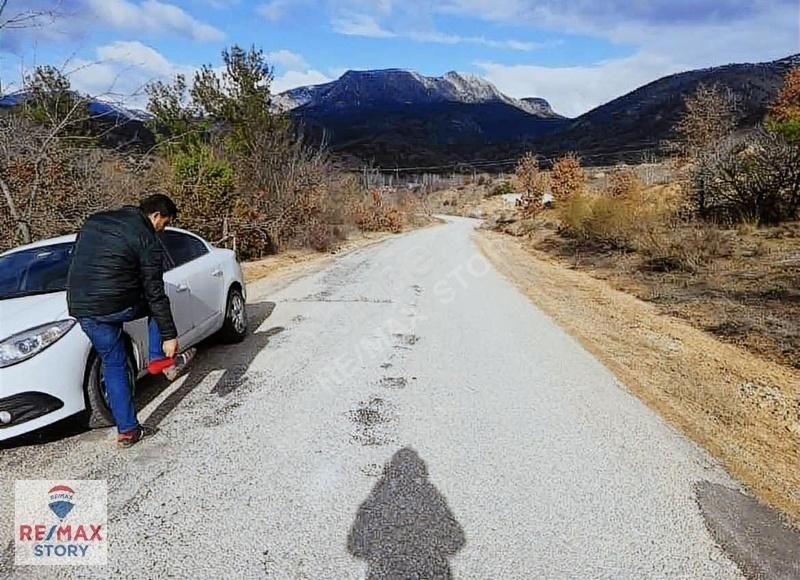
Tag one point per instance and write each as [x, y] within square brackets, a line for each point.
[240, 173]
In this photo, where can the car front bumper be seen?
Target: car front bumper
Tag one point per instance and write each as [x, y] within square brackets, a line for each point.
[45, 388]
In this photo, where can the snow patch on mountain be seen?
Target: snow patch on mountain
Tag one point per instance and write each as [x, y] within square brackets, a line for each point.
[375, 87]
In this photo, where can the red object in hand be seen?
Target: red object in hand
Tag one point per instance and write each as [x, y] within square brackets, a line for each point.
[155, 367]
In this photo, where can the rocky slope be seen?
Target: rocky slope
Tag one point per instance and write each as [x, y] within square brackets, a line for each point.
[379, 88]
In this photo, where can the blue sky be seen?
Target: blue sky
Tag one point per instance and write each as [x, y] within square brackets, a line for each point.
[577, 54]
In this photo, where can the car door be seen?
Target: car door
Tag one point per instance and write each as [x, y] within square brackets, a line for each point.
[198, 279]
[177, 288]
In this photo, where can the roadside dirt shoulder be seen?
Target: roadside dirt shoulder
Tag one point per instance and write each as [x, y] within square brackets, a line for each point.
[741, 408]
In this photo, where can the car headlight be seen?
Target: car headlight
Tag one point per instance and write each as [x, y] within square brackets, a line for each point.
[31, 342]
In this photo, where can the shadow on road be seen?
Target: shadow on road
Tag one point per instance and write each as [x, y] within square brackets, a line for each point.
[233, 359]
[405, 528]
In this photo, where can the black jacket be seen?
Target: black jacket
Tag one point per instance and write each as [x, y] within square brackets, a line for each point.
[118, 264]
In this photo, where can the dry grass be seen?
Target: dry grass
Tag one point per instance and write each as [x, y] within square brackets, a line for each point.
[742, 408]
[742, 285]
[623, 219]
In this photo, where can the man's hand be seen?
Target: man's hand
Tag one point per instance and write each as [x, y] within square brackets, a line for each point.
[170, 347]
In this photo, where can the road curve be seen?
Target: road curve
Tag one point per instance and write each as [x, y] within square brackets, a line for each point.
[402, 413]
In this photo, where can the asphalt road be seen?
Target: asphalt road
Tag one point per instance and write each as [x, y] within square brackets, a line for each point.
[402, 413]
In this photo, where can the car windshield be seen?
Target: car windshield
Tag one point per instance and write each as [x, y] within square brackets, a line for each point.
[35, 271]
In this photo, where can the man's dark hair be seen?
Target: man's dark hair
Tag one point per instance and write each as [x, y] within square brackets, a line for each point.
[158, 202]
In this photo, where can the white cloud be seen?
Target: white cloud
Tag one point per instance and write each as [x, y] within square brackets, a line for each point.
[574, 90]
[413, 20]
[277, 10]
[287, 59]
[123, 68]
[293, 79]
[662, 49]
[360, 25]
[151, 16]
[121, 71]
[138, 55]
[442, 38]
[297, 72]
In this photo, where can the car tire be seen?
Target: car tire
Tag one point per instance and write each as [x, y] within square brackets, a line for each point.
[234, 328]
[98, 411]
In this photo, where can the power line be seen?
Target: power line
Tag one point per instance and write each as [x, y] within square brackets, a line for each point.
[486, 163]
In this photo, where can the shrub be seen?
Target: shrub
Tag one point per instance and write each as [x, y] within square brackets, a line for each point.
[533, 182]
[618, 221]
[228, 128]
[682, 247]
[320, 236]
[784, 114]
[753, 178]
[202, 185]
[48, 188]
[623, 181]
[567, 177]
[376, 215]
[575, 213]
[503, 188]
[710, 115]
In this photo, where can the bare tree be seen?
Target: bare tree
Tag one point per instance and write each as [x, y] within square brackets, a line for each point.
[710, 116]
[44, 142]
[567, 177]
[533, 182]
[753, 178]
[26, 18]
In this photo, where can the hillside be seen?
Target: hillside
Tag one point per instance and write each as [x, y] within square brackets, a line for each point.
[425, 134]
[643, 119]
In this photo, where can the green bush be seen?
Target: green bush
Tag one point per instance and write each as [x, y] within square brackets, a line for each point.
[202, 185]
[503, 188]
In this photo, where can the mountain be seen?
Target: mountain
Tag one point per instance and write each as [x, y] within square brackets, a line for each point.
[400, 118]
[538, 106]
[396, 117]
[115, 125]
[643, 120]
[367, 89]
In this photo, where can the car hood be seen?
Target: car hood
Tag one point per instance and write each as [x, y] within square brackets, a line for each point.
[18, 314]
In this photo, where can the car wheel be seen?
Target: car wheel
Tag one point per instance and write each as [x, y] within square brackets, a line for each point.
[234, 329]
[98, 409]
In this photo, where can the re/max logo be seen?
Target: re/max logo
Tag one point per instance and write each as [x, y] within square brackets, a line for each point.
[60, 533]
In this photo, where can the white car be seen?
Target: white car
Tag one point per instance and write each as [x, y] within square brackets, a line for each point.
[48, 370]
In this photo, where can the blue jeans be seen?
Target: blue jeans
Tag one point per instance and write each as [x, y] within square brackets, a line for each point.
[105, 334]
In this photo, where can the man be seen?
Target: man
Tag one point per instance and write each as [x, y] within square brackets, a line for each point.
[116, 276]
